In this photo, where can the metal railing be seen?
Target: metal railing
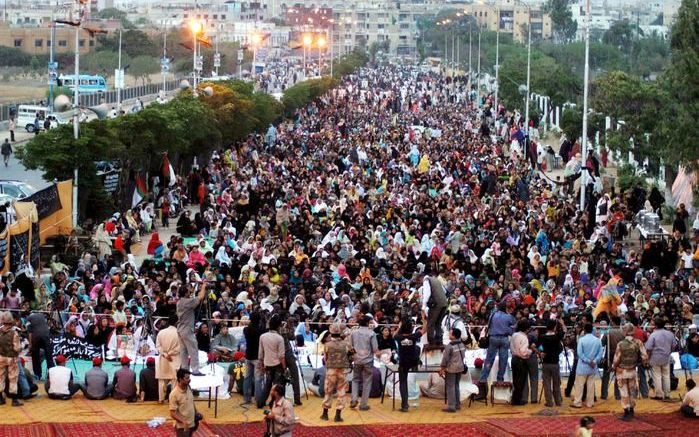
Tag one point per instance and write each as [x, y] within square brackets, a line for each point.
[106, 97]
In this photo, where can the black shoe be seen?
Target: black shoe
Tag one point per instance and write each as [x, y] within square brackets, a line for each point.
[324, 416]
[403, 409]
[29, 396]
[197, 373]
[298, 403]
[627, 415]
[354, 404]
[338, 416]
[364, 408]
[2, 400]
[16, 403]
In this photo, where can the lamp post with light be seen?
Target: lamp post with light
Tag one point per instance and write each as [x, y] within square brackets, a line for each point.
[255, 40]
[307, 41]
[196, 28]
[321, 42]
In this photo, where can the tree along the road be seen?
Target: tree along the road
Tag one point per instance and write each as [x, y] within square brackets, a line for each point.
[143, 66]
[564, 27]
[547, 78]
[636, 103]
[679, 129]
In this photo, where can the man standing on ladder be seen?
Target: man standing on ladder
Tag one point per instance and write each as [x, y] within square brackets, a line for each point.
[434, 307]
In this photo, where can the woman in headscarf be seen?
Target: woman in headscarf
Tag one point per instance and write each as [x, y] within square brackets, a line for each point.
[133, 225]
[155, 246]
[102, 242]
[222, 257]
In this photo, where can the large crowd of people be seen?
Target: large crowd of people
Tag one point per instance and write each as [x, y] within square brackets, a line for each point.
[398, 214]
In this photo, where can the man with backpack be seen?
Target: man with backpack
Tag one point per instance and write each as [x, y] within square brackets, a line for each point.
[629, 353]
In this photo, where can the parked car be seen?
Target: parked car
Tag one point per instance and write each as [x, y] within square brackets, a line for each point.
[16, 189]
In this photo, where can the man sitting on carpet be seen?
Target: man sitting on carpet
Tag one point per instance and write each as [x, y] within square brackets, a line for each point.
[125, 382]
[148, 385]
[59, 384]
[690, 403]
[96, 386]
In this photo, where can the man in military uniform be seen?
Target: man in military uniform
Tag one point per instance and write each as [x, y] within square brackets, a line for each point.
[630, 352]
[336, 363]
[9, 351]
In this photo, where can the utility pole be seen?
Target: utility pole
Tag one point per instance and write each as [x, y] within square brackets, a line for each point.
[497, 63]
[583, 180]
[469, 49]
[529, 70]
[119, 79]
[76, 103]
[162, 63]
[52, 67]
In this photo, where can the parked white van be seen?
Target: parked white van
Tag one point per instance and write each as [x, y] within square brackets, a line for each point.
[27, 113]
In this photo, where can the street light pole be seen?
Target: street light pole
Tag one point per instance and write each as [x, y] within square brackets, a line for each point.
[162, 69]
[497, 62]
[470, 35]
[529, 70]
[478, 74]
[583, 180]
[118, 87]
[76, 117]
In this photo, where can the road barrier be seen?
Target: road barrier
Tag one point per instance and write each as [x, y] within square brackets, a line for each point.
[109, 97]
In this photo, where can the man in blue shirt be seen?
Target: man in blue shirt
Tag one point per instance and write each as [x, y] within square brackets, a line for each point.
[500, 327]
[589, 354]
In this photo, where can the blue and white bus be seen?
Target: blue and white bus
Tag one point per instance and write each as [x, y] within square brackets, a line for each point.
[88, 83]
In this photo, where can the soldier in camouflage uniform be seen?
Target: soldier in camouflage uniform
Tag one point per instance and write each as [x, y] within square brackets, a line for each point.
[336, 364]
[630, 352]
[9, 351]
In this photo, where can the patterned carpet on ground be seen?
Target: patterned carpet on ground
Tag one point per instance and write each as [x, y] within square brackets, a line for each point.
[646, 425]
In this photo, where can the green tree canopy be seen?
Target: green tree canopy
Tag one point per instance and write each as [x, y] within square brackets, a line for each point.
[564, 27]
[633, 102]
[678, 129]
[143, 66]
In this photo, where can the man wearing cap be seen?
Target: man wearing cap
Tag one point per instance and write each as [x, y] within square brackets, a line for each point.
[59, 384]
[186, 308]
[336, 363]
[9, 353]
[96, 386]
[147, 383]
[168, 345]
[630, 352]
[454, 320]
[124, 381]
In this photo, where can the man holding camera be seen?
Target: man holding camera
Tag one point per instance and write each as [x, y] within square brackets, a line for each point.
[336, 363]
[280, 420]
[186, 308]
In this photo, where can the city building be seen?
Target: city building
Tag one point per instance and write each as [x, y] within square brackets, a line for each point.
[37, 40]
[514, 18]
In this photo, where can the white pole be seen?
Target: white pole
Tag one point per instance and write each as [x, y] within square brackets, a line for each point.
[164, 56]
[529, 70]
[332, 48]
[478, 74]
[76, 119]
[583, 180]
[497, 63]
[194, 62]
[470, 37]
[118, 84]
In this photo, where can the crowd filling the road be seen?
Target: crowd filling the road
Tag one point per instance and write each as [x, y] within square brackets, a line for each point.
[397, 215]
